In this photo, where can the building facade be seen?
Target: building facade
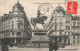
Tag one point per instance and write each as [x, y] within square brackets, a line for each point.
[60, 25]
[65, 27]
[75, 38]
[15, 27]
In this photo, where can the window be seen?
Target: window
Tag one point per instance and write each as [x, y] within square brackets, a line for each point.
[4, 35]
[78, 41]
[78, 23]
[67, 21]
[73, 41]
[60, 22]
[4, 28]
[12, 25]
[55, 20]
[60, 32]
[4, 23]
[69, 33]
[18, 34]
[73, 36]
[9, 34]
[60, 19]
[55, 27]
[13, 33]
[78, 37]
[67, 27]
[8, 23]
[74, 23]
[60, 27]
[19, 25]
[12, 22]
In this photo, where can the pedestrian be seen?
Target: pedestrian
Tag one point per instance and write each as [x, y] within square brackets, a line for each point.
[55, 44]
[51, 44]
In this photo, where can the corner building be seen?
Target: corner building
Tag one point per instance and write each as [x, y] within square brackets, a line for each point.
[15, 27]
[60, 25]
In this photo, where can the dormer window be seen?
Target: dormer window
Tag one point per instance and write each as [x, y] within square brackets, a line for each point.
[15, 8]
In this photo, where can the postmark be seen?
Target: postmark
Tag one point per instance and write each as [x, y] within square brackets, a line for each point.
[45, 8]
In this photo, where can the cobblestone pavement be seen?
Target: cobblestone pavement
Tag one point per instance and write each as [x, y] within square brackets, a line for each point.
[40, 49]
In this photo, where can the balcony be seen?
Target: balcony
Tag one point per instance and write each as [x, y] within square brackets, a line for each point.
[19, 30]
[75, 26]
[10, 29]
[60, 22]
[19, 36]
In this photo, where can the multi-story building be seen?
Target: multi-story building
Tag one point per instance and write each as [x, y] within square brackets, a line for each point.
[75, 38]
[15, 27]
[60, 25]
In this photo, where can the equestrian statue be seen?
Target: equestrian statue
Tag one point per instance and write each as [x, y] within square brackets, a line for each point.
[40, 19]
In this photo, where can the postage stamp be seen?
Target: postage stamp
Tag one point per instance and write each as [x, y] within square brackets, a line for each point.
[72, 7]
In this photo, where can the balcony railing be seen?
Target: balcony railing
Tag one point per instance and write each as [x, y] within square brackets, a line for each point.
[75, 26]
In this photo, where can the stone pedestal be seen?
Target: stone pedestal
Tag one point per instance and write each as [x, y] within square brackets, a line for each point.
[40, 37]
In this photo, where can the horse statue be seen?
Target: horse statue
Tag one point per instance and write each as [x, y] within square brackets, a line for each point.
[39, 20]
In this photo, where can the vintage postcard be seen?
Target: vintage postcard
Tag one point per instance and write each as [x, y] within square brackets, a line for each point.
[39, 25]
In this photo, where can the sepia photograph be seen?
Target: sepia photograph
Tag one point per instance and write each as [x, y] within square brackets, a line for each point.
[39, 25]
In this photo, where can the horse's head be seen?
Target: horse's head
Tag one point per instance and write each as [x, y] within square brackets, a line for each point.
[45, 17]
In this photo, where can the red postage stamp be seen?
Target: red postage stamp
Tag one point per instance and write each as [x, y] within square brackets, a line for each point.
[72, 7]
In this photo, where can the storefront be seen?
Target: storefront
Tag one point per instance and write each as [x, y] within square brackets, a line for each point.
[61, 38]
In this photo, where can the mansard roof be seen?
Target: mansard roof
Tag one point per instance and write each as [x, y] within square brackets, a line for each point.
[4, 17]
[10, 14]
[19, 6]
[75, 18]
[60, 9]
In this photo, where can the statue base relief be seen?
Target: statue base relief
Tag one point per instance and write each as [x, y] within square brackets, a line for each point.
[40, 38]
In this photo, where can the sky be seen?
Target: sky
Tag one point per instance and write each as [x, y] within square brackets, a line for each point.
[30, 7]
